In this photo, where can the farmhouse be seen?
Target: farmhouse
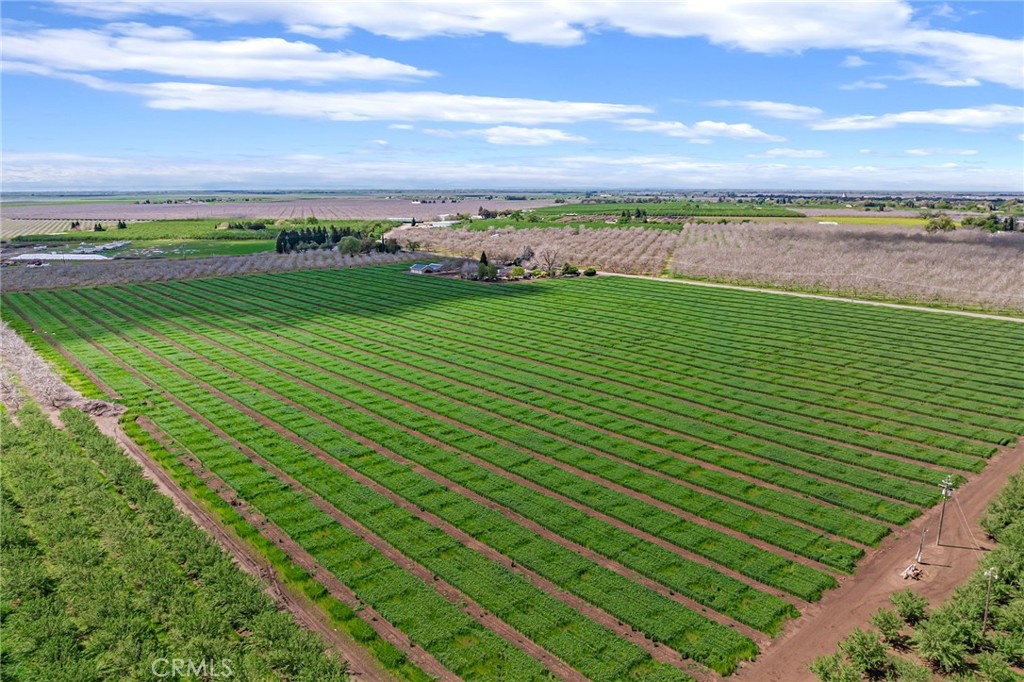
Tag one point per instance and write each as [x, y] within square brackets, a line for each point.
[424, 268]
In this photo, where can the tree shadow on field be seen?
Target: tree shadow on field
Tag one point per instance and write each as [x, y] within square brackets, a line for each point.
[278, 301]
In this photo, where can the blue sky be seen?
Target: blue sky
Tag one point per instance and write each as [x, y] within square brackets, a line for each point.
[161, 94]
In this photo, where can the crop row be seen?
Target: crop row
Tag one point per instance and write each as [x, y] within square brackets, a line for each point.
[759, 610]
[937, 340]
[702, 381]
[368, 360]
[454, 638]
[702, 329]
[761, 566]
[693, 337]
[592, 649]
[888, 338]
[562, 376]
[864, 479]
[924, 337]
[768, 528]
[656, 324]
[520, 426]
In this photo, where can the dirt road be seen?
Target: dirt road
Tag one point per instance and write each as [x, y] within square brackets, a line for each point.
[945, 567]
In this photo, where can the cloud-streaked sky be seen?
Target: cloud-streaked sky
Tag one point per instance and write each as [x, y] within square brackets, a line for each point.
[175, 94]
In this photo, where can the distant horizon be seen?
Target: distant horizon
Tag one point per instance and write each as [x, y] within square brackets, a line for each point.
[472, 191]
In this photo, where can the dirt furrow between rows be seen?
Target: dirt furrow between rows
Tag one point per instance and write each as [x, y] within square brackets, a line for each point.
[480, 499]
[361, 661]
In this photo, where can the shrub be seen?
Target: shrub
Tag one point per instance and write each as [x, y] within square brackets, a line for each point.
[889, 624]
[865, 652]
[1006, 508]
[938, 644]
[940, 223]
[910, 606]
[589, 272]
[834, 669]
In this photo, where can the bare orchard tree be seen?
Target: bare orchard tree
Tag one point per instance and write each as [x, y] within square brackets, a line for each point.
[527, 255]
[36, 376]
[964, 267]
[550, 260]
[59, 276]
[11, 394]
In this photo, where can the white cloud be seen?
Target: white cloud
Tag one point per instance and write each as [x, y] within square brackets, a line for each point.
[864, 85]
[783, 110]
[970, 117]
[29, 171]
[699, 132]
[400, 126]
[511, 135]
[1021, 137]
[173, 51]
[755, 25]
[528, 137]
[358, 106]
[936, 76]
[943, 11]
[940, 151]
[782, 152]
[854, 62]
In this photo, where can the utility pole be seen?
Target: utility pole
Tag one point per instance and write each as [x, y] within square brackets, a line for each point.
[920, 548]
[947, 492]
[992, 574]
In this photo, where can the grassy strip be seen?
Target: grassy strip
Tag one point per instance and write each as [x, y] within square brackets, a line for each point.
[456, 640]
[871, 505]
[202, 229]
[791, 577]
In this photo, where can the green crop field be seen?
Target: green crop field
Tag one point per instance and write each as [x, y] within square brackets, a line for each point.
[202, 229]
[672, 208]
[604, 478]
